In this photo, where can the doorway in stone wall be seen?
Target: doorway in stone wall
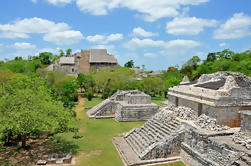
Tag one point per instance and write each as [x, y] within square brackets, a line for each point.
[199, 109]
[176, 101]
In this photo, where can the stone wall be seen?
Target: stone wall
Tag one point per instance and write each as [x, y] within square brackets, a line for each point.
[84, 67]
[135, 112]
[100, 66]
[246, 121]
[221, 153]
[167, 148]
[69, 69]
[224, 115]
[107, 110]
[193, 158]
[138, 99]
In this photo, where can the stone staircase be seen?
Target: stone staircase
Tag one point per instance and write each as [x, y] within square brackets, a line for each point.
[99, 109]
[244, 160]
[146, 138]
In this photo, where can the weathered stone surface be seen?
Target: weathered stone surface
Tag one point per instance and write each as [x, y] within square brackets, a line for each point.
[220, 96]
[242, 139]
[193, 122]
[208, 123]
[125, 106]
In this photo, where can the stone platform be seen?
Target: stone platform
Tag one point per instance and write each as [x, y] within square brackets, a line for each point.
[130, 158]
[125, 106]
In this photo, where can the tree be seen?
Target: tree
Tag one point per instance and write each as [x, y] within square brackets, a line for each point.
[27, 109]
[192, 62]
[61, 52]
[46, 57]
[227, 54]
[129, 64]
[68, 52]
[211, 57]
[112, 79]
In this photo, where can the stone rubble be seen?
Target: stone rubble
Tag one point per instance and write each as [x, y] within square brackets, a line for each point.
[171, 112]
[241, 138]
[208, 123]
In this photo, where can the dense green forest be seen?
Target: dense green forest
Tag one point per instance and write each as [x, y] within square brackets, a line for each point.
[34, 101]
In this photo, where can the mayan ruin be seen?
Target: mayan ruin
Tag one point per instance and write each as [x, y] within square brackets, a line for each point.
[125, 82]
[206, 122]
[84, 62]
[125, 106]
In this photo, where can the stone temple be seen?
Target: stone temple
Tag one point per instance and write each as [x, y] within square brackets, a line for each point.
[125, 106]
[204, 123]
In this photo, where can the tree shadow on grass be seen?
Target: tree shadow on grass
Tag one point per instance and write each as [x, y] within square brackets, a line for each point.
[60, 145]
[38, 149]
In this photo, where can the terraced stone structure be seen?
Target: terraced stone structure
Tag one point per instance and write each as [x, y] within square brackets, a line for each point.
[220, 96]
[125, 106]
[178, 132]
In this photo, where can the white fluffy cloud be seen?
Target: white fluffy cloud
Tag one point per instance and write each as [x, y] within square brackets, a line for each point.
[141, 32]
[23, 45]
[114, 37]
[58, 2]
[236, 27]
[34, 25]
[64, 38]
[95, 39]
[188, 25]
[57, 33]
[148, 54]
[182, 44]
[104, 39]
[34, 1]
[149, 9]
[222, 44]
[13, 35]
[136, 43]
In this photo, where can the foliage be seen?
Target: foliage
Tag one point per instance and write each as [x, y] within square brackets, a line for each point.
[225, 60]
[27, 109]
[46, 57]
[64, 86]
[151, 85]
[129, 64]
[112, 79]
[89, 94]
[18, 65]
[86, 82]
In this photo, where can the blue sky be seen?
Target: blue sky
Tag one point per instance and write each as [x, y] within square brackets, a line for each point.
[156, 33]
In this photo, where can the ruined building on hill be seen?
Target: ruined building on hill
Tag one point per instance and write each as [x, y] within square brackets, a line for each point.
[84, 62]
[125, 106]
[204, 123]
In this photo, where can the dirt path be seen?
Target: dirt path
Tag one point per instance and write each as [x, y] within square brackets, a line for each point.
[79, 107]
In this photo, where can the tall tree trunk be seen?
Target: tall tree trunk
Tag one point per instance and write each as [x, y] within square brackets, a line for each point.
[24, 137]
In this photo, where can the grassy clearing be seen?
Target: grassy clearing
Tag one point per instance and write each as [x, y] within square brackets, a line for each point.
[158, 99]
[95, 147]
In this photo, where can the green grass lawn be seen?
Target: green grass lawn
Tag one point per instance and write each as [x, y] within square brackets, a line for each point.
[158, 99]
[95, 147]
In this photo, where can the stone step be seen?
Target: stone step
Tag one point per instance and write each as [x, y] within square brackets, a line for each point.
[163, 126]
[138, 141]
[240, 163]
[162, 131]
[145, 137]
[142, 142]
[149, 136]
[132, 143]
[154, 131]
[172, 127]
[246, 159]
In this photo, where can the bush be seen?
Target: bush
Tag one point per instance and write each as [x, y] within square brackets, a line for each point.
[89, 95]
